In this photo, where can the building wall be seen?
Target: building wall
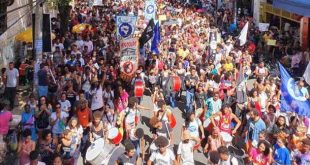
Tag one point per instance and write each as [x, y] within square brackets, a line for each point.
[8, 45]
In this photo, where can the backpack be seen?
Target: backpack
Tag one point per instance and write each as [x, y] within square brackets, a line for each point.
[238, 157]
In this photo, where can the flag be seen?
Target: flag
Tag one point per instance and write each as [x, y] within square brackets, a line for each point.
[243, 34]
[156, 39]
[150, 9]
[292, 99]
[307, 74]
[147, 33]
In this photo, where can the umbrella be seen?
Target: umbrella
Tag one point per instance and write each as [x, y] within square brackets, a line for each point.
[26, 36]
[79, 28]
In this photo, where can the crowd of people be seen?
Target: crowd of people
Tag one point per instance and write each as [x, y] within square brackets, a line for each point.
[81, 98]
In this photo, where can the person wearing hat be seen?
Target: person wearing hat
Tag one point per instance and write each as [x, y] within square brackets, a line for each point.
[185, 153]
[163, 156]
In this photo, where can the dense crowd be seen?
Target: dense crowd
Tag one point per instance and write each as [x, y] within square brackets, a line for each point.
[81, 98]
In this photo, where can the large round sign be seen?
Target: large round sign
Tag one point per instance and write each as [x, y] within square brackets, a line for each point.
[213, 44]
[291, 88]
[125, 30]
[150, 9]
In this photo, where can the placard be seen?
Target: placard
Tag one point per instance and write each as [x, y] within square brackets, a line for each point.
[125, 26]
[162, 17]
[271, 42]
[263, 27]
[129, 57]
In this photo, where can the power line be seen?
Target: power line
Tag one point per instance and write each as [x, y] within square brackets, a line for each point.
[3, 14]
[22, 16]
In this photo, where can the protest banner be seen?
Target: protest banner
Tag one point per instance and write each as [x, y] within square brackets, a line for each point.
[272, 42]
[125, 26]
[263, 27]
[129, 57]
[150, 9]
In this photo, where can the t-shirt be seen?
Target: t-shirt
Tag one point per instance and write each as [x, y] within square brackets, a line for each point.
[125, 160]
[83, 117]
[12, 76]
[65, 105]
[165, 130]
[97, 99]
[58, 127]
[5, 117]
[229, 161]
[42, 78]
[254, 128]
[281, 155]
[258, 157]
[193, 127]
[158, 159]
[186, 152]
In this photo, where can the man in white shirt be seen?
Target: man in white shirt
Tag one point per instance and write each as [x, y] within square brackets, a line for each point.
[12, 77]
[89, 45]
[225, 157]
[34, 158]
[163, 156]
[186, 150]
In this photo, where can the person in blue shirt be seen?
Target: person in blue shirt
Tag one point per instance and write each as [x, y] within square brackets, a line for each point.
[281, 154]
[254, 126]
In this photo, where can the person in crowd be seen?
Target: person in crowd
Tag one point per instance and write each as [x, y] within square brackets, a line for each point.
[25, 147]
[6, 117]
[195, 128]
[185, 152]
[28, 121]
[163, 155]
[76, 132]
[262, 154]
[225, 157]
[47, 146]
[64, 147]
[34, 159]
[57, 160]
[303, 156]
[58, 121]
[12, 78]
[97, 129]
[43, 80]
[254, 126]
[190, 82]
[214, 141]
[281, 153]
[129, 157]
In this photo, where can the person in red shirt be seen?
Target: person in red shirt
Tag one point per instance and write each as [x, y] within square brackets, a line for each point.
[83, 114]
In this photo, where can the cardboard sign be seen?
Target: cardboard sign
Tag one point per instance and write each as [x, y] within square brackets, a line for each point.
[263, 27]
[271, 42]
[162, 17]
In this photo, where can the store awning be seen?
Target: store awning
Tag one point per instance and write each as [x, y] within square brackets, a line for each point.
[300, 7]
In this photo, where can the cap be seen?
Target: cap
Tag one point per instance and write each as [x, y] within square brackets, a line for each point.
[186, 135]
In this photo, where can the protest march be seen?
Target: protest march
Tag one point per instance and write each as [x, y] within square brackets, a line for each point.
[136, 82]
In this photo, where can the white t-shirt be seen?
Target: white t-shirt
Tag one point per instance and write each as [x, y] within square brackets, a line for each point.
[97, 99]
[65, 105]
[12, 76]
[186, 152]
[263, 101]
[159, 159]
[56, 128]
[233, 161]
[193, 127]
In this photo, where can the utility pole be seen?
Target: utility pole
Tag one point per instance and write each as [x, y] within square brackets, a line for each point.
[38, 42]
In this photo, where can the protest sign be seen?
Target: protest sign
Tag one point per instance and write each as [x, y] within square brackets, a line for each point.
[271, 42]
[263, 27]
[129, 57]
[125, 26]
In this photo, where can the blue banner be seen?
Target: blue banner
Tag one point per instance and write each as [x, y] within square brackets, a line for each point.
[125, 26]
[150, 9]
[292, 99]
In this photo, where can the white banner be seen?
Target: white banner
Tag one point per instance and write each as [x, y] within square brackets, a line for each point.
[125, 26]
[244, 34]
[129, 57]
[150, 9]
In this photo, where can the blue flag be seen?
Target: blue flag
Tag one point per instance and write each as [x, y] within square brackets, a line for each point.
[156, 39]
[292, 99]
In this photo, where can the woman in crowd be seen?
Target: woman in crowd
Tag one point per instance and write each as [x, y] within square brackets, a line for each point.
[47, 147]
[25, 147]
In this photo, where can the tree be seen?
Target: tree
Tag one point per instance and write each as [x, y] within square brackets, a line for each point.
[64, 14]
[3, 16]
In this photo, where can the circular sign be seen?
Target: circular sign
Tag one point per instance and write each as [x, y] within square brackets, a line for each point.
[125, 30]
[213, 45]
[150, 9]
[128, 67]
[294, 91]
